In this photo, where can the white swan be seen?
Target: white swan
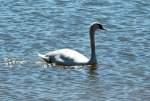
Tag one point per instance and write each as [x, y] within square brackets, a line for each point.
[69, 57]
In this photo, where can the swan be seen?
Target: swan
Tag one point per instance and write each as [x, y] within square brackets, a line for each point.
[69, 57]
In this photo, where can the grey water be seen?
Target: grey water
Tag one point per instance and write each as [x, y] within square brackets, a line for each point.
[28, 27]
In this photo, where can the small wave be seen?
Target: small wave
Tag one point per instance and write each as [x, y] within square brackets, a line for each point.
[12, 61]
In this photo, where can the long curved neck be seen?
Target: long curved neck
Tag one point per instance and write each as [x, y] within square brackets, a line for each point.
[92, 43]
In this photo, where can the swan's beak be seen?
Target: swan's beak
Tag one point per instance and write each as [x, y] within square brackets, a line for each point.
[104, 29]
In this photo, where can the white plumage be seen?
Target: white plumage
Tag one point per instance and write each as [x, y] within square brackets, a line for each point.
[64, 57]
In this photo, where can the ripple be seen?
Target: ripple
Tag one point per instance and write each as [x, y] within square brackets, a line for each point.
[12, 61]
[130, 56]
[31, 26]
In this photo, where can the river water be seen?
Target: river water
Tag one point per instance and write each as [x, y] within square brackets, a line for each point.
[123, 51]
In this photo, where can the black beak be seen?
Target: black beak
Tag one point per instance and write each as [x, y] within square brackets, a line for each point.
[103, 29]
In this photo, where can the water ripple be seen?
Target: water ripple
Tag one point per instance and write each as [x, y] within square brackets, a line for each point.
[28, 27]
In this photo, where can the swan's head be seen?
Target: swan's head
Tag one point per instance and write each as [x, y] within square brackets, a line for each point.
[96, 25]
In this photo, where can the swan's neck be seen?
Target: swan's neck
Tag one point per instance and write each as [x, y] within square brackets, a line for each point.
[92, 43]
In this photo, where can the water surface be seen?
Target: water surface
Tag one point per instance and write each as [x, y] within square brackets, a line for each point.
[123, 52]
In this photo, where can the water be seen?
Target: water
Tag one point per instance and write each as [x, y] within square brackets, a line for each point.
[123, 52]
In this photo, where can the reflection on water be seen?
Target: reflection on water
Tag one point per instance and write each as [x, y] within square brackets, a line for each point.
[28, 27]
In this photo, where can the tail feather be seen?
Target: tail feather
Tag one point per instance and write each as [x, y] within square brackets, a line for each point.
[42, 56]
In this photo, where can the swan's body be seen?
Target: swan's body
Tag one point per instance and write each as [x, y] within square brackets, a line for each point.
[65, 57]
[68, 57]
